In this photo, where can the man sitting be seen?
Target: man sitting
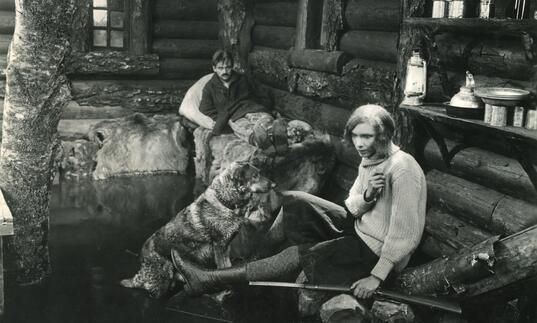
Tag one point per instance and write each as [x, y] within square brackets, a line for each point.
[227, 99]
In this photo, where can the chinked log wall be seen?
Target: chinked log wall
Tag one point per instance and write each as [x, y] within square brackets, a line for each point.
[325, 93]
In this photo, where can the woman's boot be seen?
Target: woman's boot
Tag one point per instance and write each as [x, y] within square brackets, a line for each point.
[199, 281]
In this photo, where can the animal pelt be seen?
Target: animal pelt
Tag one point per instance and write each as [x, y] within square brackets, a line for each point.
[202, 231]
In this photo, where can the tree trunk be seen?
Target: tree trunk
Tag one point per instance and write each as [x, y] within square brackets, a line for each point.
[37, 89]
[236, 20]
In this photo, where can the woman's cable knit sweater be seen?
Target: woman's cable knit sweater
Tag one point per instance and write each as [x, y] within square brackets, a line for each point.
[392, 224]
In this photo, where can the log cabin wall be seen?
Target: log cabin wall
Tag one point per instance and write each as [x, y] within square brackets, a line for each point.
[347, 59]
[168, 48]
[479, 184]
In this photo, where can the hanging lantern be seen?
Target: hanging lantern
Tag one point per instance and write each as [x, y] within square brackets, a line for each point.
[416, 80]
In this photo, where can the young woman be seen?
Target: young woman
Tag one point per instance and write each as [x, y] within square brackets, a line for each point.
[386, 206]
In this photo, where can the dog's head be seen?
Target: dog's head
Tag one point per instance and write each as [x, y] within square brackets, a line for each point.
[236, 184]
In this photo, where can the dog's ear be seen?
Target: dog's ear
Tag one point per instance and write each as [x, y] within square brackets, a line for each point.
[237, 171]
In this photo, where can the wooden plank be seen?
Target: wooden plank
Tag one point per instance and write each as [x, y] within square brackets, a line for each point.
[185, 48]
[374, 45]
[185, 29]
[273, 36]
[276, 14]
[373, 15]
[7, 22]
[5, 40]
[6, 218]
[307, 27]
[186, 10]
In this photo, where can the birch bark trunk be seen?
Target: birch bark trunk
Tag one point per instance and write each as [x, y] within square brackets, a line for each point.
[36, 91]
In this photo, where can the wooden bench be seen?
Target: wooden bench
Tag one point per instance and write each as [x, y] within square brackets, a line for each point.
[6, 229]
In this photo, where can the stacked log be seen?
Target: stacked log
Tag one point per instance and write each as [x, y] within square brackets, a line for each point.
[275, 23]
[7, 22]
[486, 208]
[185, 36]
[269, 65]
[486, 168]
[373, 15]
[374, 45]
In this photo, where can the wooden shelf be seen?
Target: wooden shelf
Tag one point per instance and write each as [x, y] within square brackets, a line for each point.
[437, 113]
[474, 25]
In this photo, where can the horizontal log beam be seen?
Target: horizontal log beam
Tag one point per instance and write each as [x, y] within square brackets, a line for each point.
[373, 45]
[186, 10]
[7, 22]
[373, 15]
[270, 66]
[318, 60]
[185, 29]
[435, 248]
[361, 82]
[492, 170]
[276, 14]
[319, 115]
[185, 48]
[504, 58]
[184, 68]
[3, 66]
[112, 63]
[273, 36]
[8, 5]
[74, 111]
[452, 231]
[5, 40]
[482, 206]
[143, 96]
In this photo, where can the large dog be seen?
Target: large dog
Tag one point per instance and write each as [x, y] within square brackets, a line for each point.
[203, 231]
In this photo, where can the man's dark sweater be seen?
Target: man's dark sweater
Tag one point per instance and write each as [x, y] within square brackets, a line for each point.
[222, 104]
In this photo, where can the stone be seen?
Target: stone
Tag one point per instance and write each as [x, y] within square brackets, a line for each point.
[392, 312]
[310, 301]
[341, 308]
[140, 145]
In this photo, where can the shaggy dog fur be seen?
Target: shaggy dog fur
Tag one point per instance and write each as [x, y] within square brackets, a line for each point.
[202, 231]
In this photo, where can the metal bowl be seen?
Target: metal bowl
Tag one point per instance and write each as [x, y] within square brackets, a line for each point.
[465, 113]
[501, 95]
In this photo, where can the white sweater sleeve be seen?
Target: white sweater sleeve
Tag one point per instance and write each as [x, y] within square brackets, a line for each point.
[406, 222]
[355, 202]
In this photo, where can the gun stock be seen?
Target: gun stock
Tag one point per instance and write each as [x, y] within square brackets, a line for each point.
[436, 303]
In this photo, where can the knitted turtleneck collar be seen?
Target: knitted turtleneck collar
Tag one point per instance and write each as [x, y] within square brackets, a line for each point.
[392, 149]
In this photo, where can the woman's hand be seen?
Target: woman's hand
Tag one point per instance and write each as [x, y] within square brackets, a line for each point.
[365, 287]
[374, 186]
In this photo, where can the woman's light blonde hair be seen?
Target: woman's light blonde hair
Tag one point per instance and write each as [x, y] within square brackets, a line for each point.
[376, 116]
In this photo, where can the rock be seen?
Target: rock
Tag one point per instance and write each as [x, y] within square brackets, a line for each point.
[391, 312]
[342, 308]
[138, 144]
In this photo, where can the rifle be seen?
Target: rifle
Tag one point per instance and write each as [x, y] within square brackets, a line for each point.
[436, 303]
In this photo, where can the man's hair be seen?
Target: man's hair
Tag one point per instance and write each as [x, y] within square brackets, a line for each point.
[222, 56]
[377, 117]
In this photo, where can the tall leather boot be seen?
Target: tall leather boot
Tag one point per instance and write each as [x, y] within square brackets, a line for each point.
[199, 281]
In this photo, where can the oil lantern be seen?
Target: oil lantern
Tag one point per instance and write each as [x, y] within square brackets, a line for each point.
[416, 79]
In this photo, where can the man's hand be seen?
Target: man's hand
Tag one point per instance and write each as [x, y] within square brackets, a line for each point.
[374, 186]
[365, 287]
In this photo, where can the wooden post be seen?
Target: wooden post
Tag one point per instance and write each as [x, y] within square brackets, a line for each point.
[307, 31]
[332, 24]
[140, 22]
